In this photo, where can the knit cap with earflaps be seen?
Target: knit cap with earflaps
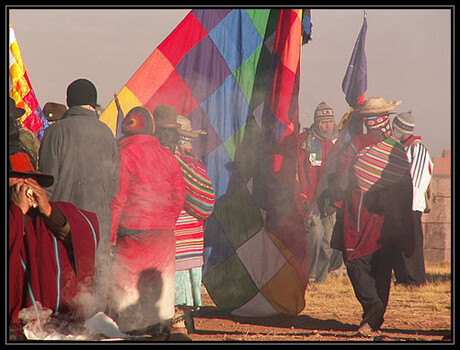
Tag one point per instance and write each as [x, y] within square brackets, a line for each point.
[403, 123]
[323, 112]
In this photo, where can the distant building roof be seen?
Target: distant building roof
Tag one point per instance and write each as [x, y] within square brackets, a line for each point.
[442, 166]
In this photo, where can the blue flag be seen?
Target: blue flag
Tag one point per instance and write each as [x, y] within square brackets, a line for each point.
[355, 81]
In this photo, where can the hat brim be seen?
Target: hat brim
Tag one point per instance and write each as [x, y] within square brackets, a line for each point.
[192, 133]
[18, 112]
[169, 125]
[44, 180]
[374, 113]
[385, 109]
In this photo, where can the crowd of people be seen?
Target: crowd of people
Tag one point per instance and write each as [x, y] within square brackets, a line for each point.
[364, 195]
[100, 224]
[113, 226]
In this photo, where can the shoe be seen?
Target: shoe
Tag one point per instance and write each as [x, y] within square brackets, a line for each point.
[374, 317]
[365, 329]
[189, 322]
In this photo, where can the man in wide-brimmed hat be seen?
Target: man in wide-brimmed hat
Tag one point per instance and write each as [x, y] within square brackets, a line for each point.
[51, 246]
[20, 135]
[54, 111]
[167, 127]
[369, 218]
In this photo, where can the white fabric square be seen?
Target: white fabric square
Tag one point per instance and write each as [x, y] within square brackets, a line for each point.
[268, 262]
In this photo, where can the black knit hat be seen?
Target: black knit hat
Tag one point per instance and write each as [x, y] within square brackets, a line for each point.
[81, 92]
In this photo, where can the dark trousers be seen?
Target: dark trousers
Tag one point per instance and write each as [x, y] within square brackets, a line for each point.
[412, 270]
[370, 276]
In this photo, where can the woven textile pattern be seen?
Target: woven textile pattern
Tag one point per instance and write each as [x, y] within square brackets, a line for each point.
[235, 74]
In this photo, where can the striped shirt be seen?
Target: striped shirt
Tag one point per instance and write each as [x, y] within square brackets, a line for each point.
[421, 170]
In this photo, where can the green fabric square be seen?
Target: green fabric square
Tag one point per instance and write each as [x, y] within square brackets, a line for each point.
[259, 17]
[239, 218]
[244, 74]
[229, 285]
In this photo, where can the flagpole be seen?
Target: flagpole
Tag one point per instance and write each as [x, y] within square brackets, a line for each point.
[117, 103]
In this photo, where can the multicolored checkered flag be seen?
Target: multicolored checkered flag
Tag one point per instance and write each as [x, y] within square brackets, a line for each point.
[20, 89]
[235, 74]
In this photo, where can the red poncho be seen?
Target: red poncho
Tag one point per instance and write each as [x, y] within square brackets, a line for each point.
[39, 265]
[372, 219]
[151, 192]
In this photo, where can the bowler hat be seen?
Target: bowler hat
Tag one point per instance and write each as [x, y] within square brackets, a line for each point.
[14, 112]
[19, 165]
[166, 117]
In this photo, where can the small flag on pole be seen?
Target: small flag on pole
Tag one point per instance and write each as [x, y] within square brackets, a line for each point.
[20, 89]
[120, 117]
[355, 81]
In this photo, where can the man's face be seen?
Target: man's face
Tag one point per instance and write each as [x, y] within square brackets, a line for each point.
[326, 126]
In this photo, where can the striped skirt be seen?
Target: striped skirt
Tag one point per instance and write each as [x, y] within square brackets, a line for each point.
[189, 235]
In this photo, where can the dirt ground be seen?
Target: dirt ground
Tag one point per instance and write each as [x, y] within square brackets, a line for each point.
[414, 314]
[213, 325]
[332, 314]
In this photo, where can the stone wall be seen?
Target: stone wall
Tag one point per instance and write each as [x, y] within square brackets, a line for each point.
[437, 223]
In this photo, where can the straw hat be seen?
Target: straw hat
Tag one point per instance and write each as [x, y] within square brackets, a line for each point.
[186, 128]
[186, 132]
[376, 106]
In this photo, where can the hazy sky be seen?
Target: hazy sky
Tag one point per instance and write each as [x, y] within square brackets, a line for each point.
[409, 56]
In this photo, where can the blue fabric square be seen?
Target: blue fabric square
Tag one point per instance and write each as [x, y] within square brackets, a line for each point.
[227, 109]
[236, 37]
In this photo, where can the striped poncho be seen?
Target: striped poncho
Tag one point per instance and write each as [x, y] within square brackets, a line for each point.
[199, 204]
[380, 165]
[199, 199]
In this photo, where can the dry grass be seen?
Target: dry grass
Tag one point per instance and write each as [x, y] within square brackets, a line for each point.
[332, 314]
[428, 306]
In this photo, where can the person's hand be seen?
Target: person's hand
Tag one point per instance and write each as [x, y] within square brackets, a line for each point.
[40, 196]
[19, 196]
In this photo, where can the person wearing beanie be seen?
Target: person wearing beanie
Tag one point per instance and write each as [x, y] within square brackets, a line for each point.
[81, 153]
[368, 219]
[81, 92]
[316, 144]
[411, 271]
[145, 209]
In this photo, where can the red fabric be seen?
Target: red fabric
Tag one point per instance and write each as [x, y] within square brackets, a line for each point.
[411, 140]
[151, 192]
[54, 281]
[361, 223]
[189, 32]
[144, 279]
